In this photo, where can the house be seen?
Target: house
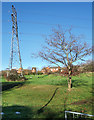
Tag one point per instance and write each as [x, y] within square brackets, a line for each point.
[55, 69]
[50, 69]
[45, 70]
[33, 69]
[19, 71]
[27, 71]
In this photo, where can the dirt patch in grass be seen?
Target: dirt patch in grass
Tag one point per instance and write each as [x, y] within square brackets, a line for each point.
[79, 102]
[90, 101]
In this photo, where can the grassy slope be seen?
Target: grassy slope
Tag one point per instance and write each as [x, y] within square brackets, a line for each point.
[37, 91]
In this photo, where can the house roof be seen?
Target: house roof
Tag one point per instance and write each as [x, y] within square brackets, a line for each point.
[20, 69]
[33, 67]
[50, 68]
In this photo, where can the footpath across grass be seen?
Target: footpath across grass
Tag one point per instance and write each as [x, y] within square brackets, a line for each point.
[30, 96]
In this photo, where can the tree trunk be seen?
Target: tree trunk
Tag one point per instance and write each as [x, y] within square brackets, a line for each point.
[69, 81]
[69, 84]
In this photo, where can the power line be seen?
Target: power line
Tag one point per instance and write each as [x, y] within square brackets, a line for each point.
[33, 22]
[38, 34]
[43, 23]
[21, 33]
[64, 16]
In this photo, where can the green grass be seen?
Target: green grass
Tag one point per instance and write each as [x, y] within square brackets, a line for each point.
[28, 97]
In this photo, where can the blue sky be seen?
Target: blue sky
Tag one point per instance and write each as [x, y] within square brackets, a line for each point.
[35, 20]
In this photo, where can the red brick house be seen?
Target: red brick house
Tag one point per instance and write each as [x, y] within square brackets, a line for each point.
[33, 69]
[27, 71]
[19, 70]
[50, 69]
[55, 69]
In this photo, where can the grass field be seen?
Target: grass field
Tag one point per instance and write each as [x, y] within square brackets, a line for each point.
[30, 96]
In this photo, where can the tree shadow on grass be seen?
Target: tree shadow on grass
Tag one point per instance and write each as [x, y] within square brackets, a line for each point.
[49, 114]
[77, 83]
[24, 113]
[27, 113]
[10, 85]
[30, 113]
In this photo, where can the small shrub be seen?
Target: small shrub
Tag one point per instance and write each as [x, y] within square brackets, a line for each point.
[49, 73]
[22, 79]
[39, 73]
[33, 73]
[12, 77]
[4, 74]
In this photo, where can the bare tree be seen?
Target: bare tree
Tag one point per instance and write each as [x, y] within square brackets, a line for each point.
[63, 47]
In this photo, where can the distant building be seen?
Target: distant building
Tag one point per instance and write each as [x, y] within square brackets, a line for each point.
[45, 70]
[19, 70]
[50, 69]
[33, 69]
[27, 71]
[55, 69]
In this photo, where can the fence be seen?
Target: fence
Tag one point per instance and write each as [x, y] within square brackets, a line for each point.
[81, 114]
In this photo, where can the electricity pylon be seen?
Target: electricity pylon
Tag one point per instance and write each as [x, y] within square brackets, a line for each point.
[15, 57]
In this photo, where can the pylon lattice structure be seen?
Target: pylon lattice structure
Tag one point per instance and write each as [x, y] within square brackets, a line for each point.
[15, 57]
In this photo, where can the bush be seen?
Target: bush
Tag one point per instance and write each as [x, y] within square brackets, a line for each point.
[12, 77]
[75, 71]
[4, 74]
[89, 67]
[22, 79]
[49, 73]
[33, 73]
[14, 72]
[39, 73]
